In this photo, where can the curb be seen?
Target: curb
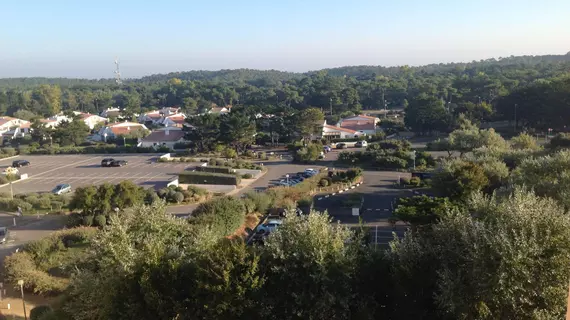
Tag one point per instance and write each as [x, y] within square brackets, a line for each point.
[10, 157]
[7, 184]
[341, 191]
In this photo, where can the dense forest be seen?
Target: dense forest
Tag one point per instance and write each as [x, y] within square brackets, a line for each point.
[486, 90]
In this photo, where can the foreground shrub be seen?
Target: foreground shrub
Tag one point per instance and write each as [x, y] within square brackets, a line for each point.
[37, 312]
[223, 215]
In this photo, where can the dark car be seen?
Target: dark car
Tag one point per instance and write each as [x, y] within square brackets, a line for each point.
[118, 163]
[107, 162]
[341, 146]
[20, 163]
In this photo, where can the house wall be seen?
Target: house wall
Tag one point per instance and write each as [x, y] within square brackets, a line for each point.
[148, 144]
[339, 133]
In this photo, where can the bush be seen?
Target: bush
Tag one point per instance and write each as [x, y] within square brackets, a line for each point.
[305, 202]
[415, 181]
[188, 177]
[324, 182]
[391, 162]
[247, 176]
[197, 190]
[404, 181]
[88, 220]
[178, 197]
[261, 200]
[223, 215]
[100, 220]
[37, 312]
[21, 266]
[353, 173]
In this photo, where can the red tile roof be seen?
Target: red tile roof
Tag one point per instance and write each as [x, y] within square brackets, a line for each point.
[358, 125]
[339, 128]
[125, 130]
[161, 136]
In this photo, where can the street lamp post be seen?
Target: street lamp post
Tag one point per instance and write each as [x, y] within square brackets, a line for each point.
[287, 176]
[21, 284]
[414, 158]
[105, 136]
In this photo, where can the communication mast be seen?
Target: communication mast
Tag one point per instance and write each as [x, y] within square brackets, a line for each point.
[117, 72]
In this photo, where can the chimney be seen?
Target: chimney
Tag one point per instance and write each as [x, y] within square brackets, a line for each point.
[166, 132]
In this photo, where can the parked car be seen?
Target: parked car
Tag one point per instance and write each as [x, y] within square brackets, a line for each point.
[61, 189]
[361, 144]
[20, 163]
[107, 162]
[269, 226]
[327, 149]
[283, 183]
[3, 234]
[311, 172]
[118, 163]
[341, 146]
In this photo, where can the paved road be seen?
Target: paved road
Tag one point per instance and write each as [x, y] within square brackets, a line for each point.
[27, 231]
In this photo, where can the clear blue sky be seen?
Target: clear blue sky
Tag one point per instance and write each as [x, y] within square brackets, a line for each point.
[80, 38]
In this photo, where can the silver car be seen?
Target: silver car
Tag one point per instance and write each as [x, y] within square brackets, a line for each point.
[61, 189]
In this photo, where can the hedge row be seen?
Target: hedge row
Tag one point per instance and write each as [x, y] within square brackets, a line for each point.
[196, 177]
[216, 169]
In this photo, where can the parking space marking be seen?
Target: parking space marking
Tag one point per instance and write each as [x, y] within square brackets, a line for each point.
[64, 166]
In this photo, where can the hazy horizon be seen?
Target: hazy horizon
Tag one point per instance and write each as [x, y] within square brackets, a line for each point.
[81, 40]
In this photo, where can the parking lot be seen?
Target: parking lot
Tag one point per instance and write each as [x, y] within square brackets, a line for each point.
[45, 172]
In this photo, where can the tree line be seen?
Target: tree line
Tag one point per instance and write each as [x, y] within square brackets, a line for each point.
[434, 94]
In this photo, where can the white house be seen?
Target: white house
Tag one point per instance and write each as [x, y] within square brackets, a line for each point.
[18, 132]
[176, 120]
[167, 137]
[118, 129]
[10, 123]
[111, 113]
[337, 132]
[91, 120]
[220, 110]
[363, 124]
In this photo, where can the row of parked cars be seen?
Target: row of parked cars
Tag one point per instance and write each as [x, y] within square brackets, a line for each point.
[297, 178]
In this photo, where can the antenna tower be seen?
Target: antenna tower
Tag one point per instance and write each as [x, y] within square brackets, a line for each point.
[117, 72]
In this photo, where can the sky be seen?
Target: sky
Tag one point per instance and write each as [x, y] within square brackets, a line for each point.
[81, 38]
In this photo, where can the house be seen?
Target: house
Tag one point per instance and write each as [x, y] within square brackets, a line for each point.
[17, 132]
[361, 123]
[176, 120]
[220, 110]
[167, 117]
[363, 117]
[50, 123]
[337, 132]
[118, 129]
[91, 120]
[10, 123]
[167, 137]
[111, 113]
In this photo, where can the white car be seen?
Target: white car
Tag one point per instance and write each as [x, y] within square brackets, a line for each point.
[269, 226]
[61, 189]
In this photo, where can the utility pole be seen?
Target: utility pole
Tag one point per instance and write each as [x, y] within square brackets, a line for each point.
[330, 101]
